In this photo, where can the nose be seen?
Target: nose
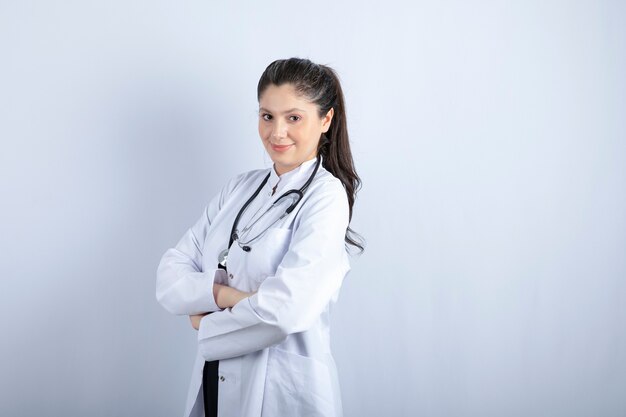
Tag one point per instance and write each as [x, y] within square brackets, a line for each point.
[279, 131]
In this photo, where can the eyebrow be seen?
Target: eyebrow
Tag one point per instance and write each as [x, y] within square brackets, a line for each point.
[286, 111]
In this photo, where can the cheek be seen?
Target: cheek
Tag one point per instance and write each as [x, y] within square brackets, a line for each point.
[262, 131]
[308, 137]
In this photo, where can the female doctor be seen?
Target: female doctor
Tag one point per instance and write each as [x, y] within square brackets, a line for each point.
[258, 271]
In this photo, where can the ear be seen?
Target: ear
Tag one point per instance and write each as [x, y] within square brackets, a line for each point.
[327, 119]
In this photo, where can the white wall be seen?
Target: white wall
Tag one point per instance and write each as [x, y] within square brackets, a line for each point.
[491, 140]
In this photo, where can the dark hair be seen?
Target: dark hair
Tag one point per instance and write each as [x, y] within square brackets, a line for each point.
[320, 85]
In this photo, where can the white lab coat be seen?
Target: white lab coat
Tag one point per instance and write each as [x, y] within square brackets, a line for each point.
[273, 347]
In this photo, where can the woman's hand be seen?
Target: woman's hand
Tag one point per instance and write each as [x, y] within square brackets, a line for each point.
[226, 296]
[195, 320]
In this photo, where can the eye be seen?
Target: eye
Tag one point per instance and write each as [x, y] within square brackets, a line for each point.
[265, 114]
[297, 118]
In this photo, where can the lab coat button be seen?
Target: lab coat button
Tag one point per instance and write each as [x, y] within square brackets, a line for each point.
[230, 276]
[222, 378]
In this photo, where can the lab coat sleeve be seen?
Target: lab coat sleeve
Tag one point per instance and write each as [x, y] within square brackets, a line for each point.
[182, 287]
[308, 278]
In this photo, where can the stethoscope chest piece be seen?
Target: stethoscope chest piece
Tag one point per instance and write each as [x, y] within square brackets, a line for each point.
[222, 258]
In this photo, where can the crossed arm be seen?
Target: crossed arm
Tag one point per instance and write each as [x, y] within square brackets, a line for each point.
[290, 301]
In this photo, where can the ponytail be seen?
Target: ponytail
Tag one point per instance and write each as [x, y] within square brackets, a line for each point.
[334, 146]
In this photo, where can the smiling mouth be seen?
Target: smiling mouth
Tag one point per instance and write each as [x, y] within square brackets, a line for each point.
[280, 148]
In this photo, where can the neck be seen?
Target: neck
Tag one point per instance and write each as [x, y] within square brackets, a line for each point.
[283, 170]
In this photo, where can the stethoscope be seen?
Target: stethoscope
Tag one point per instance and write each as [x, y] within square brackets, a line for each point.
[237, 235]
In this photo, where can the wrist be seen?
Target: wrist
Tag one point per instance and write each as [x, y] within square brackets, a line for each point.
[220, 293]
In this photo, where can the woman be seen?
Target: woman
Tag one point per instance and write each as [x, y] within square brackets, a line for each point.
[258, 271]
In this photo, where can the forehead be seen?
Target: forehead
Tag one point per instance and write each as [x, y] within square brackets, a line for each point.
[282, 98]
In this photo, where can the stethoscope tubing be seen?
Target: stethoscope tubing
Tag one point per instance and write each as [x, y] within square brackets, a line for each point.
[300, 192]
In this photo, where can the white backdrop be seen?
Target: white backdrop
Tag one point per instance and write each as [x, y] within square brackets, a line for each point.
[491, 140]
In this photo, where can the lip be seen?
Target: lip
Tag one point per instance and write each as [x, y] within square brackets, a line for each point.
[281, 148]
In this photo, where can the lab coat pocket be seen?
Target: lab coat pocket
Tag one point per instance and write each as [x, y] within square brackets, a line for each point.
[268, 253]
[296, 385]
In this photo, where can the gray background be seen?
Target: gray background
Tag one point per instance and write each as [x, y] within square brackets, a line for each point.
[491, 140]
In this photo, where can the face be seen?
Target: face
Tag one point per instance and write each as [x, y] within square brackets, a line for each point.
[290, 127]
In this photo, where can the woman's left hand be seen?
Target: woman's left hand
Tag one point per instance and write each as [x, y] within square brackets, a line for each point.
[226, 297]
